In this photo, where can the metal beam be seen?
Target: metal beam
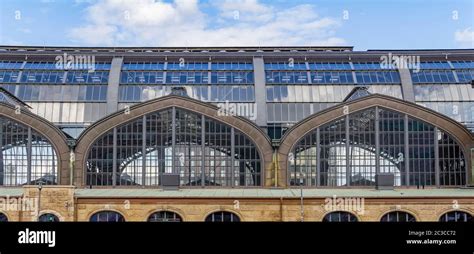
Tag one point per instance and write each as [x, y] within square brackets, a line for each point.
[29, 150]
[203, 150]
[348, 156]
[232, 159]
[318, 158]
[407, 150]
[114, 157]
[377, 141]
[143, 150]
[436, 154]
[173, 140]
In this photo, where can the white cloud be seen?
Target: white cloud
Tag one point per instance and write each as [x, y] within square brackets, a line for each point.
[24, 30]
[184, 23]
[465, 38]
[244, 10]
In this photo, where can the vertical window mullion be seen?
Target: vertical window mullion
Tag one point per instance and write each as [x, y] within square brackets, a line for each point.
[407, 151]
[173, 140]
[436, 156]
[114, 157]
[232, 153]
[318, 157]
[144, 138]
[348, 148]
[377, 142]
[203, 150]
[29, 156]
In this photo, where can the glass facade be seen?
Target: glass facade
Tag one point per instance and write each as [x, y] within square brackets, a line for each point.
[3, 218]
[456, 216]
[222, 216]
[445, 87]
[340, 216]
[347, 152]
[295, 90]
[205, 81]
[27, 157]
[48, 217]
[107, 216]
[203, 151]
[398, 216]
[65, 95]
[164, 216]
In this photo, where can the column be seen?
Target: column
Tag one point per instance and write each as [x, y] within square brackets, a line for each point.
[113, 85]
[260, 91]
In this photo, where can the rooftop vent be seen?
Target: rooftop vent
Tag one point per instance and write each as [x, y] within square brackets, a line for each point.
[384, 181]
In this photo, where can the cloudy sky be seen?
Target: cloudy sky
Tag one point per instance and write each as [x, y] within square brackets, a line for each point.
[364, 24]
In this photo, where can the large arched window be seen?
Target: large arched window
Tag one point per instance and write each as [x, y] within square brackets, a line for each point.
[26, 157]
[456, 216]
[164, 216]
[351, 150]
[48, 217]
[222, 216]
[201, 150]
[340, 216]
[398, 216]
[107, 216]
[3, 217]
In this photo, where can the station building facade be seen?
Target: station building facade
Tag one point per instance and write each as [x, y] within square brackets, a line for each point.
[236, 134]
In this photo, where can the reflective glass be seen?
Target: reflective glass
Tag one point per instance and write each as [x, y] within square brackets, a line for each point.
[14, 161]
[107, 216]
[348, 146]
[200, 151]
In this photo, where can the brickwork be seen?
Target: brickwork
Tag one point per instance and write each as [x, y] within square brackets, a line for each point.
[60, 201]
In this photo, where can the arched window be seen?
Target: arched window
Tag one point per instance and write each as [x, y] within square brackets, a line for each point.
[340, 216]
[398, 216]
[164, 216]
[348, 150]
[48, 217]
[201, 150]
[222, 216]
[107, 216]
[26, 156]
[3, 217]
[456, 216]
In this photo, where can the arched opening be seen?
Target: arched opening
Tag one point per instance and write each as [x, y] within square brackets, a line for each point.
[340, 216]
[27, 157]
[353, 149]
[456, 216]
[107, 216]
[222, 216]
[200, 149]
[164, 216]
[3, 217]
[398, 216]
[48, 217]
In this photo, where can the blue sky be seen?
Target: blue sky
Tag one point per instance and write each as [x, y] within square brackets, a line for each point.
[364, 24]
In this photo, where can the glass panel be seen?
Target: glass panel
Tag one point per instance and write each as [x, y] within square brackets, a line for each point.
[355, 154]
[14, 159]
[107, 216]
[198, 162]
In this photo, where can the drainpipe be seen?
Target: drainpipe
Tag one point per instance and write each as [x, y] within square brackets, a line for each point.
[281, 208]
[40, 187]
[72, 158]
[275, 162]
[75, 208]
